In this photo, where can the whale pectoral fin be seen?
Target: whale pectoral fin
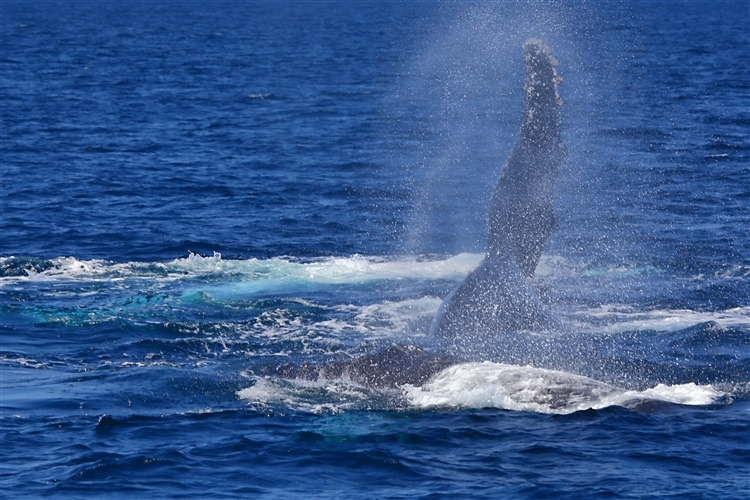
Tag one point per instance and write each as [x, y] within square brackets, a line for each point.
[496, 297]
[522, 216]
[528, 243]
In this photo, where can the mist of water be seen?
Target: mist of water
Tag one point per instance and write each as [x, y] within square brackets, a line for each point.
[458, 107]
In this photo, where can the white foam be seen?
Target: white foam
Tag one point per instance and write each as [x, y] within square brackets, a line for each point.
[259, 274]
[626, 318]
[290, 275]
[684, 394]
[389, 319]
[525, 388]
[261, 392]
[334, 270]
[64, 268]
[393, 319]
[27, 363]
[324, 396]
[735, 272]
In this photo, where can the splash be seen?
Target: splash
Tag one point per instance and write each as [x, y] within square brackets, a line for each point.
[474, 385]
[525, 388]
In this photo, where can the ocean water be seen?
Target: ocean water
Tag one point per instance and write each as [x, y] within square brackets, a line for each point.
[192, 191]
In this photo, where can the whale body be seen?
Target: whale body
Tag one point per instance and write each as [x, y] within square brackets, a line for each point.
[496, 297]
[392, 366]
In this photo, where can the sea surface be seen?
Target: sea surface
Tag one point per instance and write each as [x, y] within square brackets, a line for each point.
[193, 191]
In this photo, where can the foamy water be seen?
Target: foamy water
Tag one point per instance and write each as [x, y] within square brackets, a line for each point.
[525, 388]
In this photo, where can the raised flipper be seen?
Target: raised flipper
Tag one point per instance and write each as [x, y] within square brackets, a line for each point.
[521, 215]
[496, 297]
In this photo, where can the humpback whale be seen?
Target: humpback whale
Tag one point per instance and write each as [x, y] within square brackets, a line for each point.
[495, 299]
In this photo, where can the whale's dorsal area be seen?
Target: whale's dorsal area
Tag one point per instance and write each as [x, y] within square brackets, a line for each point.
[392, 366]
[496, 297]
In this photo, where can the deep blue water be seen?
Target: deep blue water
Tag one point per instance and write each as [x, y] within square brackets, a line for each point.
[193, 190]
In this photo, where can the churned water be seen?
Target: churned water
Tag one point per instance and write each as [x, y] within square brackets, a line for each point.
[194, 190]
